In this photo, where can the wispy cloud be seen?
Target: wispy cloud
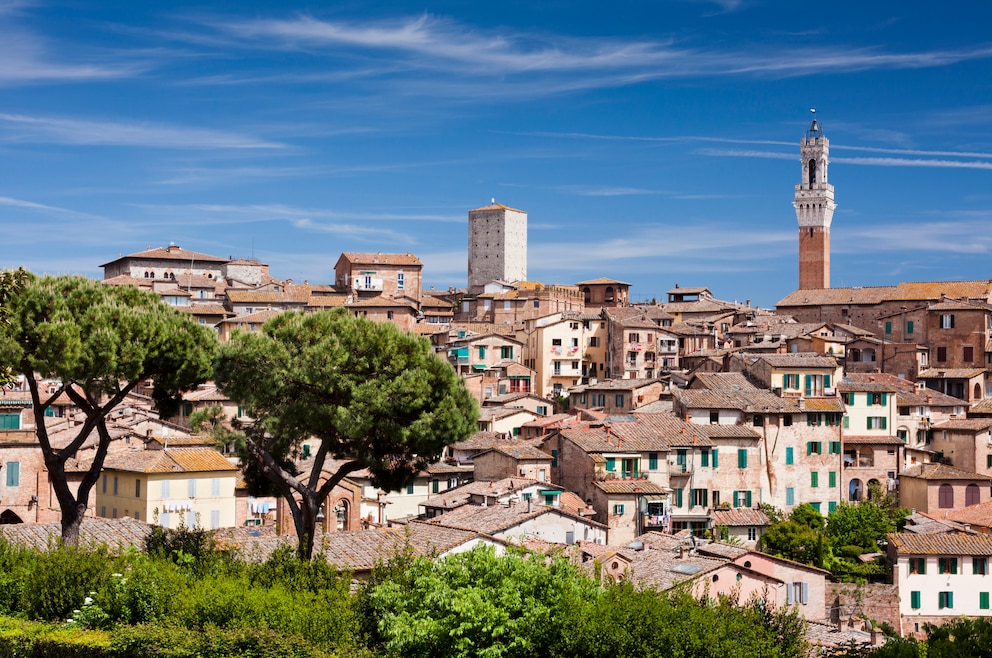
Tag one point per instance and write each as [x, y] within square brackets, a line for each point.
[961, 236]
[44, 209]
[34, 129]
[874, 162]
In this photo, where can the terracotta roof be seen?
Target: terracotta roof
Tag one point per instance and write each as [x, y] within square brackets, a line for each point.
[601, 280]
[258, 317]
[941, 543]
[629, 487]
[615, 385]
[380, 301]
[983, 406]
[746, 400]
[496, 206]
[498, 518]
[863, 383]
[294, 294]
[931, 398]
[873, 440]
[795, 360]
[116, 534]
[522, 452]
[171, 460]
[734, 431]
[921, 524]
[125, 280]
[970, 424]
[171, 253]
[380, 259]
[723, 380]
[934, 471]
[950, 373]
[975, 515]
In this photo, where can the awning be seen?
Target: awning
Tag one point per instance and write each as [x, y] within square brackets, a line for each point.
[478, 366]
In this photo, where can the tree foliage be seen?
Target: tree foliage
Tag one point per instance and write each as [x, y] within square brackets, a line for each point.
[98, 342]
[799, 538]
[374, 397]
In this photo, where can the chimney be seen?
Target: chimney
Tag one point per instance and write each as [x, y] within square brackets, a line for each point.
[929, 399]
[802, 403]
[682, 552]
[530, 505]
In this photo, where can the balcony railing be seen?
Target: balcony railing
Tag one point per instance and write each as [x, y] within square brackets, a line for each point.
[676, 468]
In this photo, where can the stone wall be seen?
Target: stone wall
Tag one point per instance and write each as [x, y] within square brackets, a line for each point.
[878, 602]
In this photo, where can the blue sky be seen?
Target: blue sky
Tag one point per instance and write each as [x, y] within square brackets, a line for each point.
[653, 142]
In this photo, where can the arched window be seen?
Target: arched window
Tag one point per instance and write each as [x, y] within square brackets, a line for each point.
[812, 173]
[9, 517]
[978, 392]
[972, 495]
[341, 510]
[873, 484]
[587, 293]
[945, 497]
[855, 354]
[609, 293]
[855, 491]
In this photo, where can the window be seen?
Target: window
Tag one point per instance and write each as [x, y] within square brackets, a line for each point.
[814, 448]
[790, 496]
[704, 457]
[400, 280]
[634, 338]
[714, 418]
[789, 456]
[103, 485]
[945, 600]
[945, 496]
[947, 565]
[619, 400]
[435, 486]
[191, 489]
[876, 422]
[888, 327]
[618, 510]
[983, 600]
[742, 458]
[947, 321]
[652, 461]
[814, 479]
[835, 447]
[409, 488]
[787, 420]
[876, 398]
[678, 497]
[832, 479]
[554, 459]
[215, 518]
[967, 353]
[137, 488]
[941, 354]
[543, 409]
[815, 506]
[611, 465]
[716, 460]
[115, 485]
[759, 420]
[980, 566]
[790, 381]
[752, 534]
[506, 352]
[972, 495]
[914, 600]
[848, 399]
[909, 327]
[699, 497]
[742, 499]
[165, 491]
[215, 487]
[917, 566]
[13, 474]
[831, 506]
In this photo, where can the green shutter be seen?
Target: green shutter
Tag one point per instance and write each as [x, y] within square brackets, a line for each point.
[909, 327]
[13, 474]
[554, 459]
[914, 600]
[868, 397]
[883, 398]
[809, 385]
[831, 506]
[716, 458]
[678, 497]
[884, 419]
[847, 421]
[611, 464]
[742, 458]
[704, 457]
[790, 496]
[814, 479]
[832, 478]
[789, 456]
[737, 499]
[983, 600]
[888, 327]
[747, 498]
[826, 381]
[652, 461]
[809, 447]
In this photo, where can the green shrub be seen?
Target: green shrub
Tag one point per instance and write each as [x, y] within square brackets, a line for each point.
[57, 581]
[163, 641]
[26, 638]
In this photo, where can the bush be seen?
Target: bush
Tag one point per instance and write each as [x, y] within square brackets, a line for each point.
[57, 581]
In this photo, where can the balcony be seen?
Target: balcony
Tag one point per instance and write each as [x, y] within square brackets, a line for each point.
[368, 284]
[676, 469]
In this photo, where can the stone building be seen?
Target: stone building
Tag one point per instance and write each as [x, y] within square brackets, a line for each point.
[497, 245]
[814, 204]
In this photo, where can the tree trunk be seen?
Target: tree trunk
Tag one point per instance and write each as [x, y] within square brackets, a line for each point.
[306, 526]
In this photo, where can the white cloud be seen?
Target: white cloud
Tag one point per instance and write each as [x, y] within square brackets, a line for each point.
[22, 128]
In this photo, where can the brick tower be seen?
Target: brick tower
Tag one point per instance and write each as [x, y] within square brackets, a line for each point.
[814, 203]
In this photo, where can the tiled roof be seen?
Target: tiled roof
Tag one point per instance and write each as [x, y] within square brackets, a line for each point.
[601, 280]
[496, 206]
[177, 460]
[740, 516]
[925, 290]
[688, 291]
[629, 487]
[941, 543]
[295, 294]
[380, 301]
[523, 453]
[873, 440]
[971, 424]
[934, 471]
[921, 524]
[497, 518]
[258, 317]
[980, 515]
[824, 404]
[380, 259]
[864, 383]
[909, 291]
[930, 398]
[723, 380]
[116, 534]
[749, 401]
[950, 373]
[125, 280]
[796, 360]
[496, 413]
[171, 253]
[734, 431]
[616, 385]
[983, 406]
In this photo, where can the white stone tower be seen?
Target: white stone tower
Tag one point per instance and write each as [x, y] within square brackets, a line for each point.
[814, 203]
[497, 245]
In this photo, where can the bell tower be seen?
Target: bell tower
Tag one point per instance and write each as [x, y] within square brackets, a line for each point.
[814, 204]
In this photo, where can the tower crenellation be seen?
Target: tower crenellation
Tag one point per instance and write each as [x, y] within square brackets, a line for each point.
[814, 204]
